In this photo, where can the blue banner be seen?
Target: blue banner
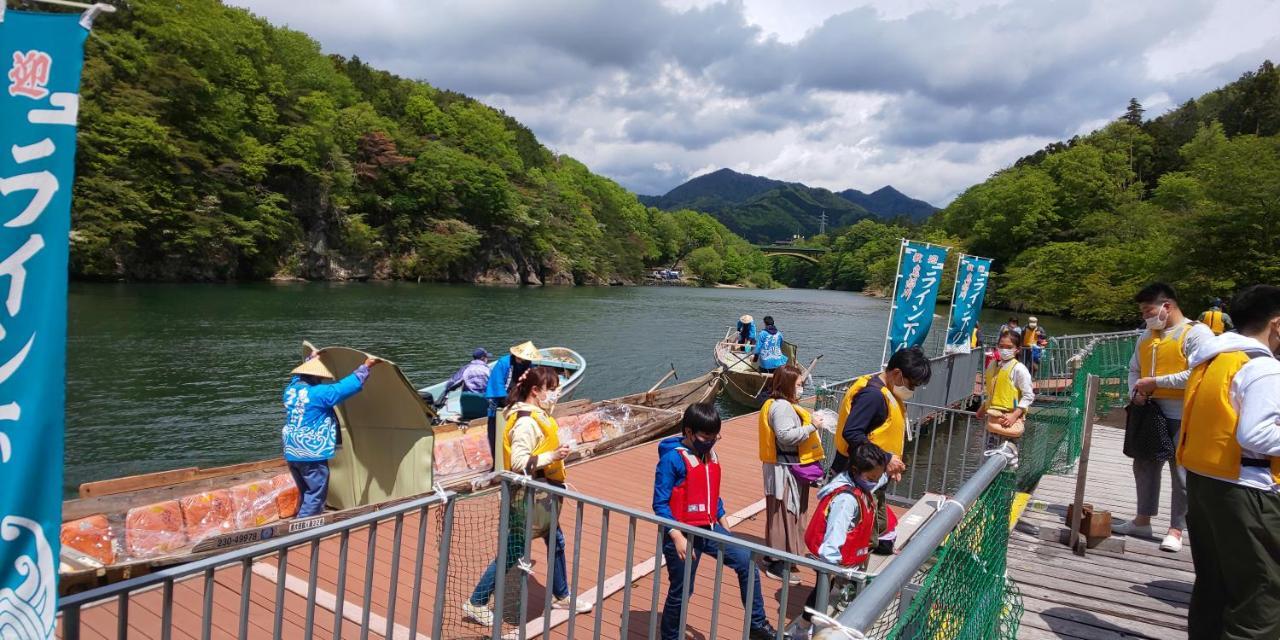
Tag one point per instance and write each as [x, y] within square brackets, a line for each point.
[41, 55]
[966, 302]
[915, 295]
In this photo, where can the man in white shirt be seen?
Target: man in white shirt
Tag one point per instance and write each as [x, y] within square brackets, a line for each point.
[1231, 451]
[1158, 372]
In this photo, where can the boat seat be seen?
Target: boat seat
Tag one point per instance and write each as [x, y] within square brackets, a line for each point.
[472, 405]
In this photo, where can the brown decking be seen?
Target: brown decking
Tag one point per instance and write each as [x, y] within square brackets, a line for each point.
[1141, 593]
[624, 478]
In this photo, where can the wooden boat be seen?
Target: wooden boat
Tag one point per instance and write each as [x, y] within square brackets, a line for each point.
[569, 363]
[255, 501]
[744, 383]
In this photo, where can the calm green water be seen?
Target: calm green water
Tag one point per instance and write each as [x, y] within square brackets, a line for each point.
[167, 376]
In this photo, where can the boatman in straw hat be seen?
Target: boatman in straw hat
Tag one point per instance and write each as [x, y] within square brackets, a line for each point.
[311, 427]
[503, 377]
[746, 329]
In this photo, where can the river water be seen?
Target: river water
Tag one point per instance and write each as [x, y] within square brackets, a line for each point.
[168, 376]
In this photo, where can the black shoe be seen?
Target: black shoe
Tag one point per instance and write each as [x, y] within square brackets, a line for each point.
[883, 548]
[766, 632]
[772, 570]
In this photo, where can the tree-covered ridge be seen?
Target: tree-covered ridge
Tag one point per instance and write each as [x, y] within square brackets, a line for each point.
[214, 146]
[1191, 197]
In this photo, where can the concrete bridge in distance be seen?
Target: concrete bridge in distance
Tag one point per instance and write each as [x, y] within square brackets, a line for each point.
[804, 253]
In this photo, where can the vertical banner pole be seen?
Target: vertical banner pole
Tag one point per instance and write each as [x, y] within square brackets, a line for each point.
[893, 305]
[41, 56]
[951, 311]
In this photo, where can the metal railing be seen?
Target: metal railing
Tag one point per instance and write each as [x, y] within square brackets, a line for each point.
[207, 570]
[639, 525]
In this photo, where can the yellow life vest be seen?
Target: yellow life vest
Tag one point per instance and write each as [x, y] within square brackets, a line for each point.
[973, 340]
[810, 449]
[550, 442]
[1002, 393]
[1208, 444]
[1213, 319]
[1029, 336]
[1163, 354]
[890, 435]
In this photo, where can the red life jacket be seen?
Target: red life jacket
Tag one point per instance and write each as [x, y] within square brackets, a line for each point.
[857, 540]
[695, 502]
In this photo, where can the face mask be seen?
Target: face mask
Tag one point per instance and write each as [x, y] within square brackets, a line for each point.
[1007, 354]
[903, 393]
[550, 399]
[800, 391]
[867, 485]
[702, 448]
[1157, 322]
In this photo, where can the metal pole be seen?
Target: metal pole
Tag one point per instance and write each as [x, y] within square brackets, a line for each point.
[866, 608]
[955, 286]
[1082, 473]
[893, 304]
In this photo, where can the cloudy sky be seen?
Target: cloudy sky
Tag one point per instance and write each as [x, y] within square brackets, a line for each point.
[930, 96]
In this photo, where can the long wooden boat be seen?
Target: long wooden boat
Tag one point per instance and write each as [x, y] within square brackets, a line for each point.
[745, 383]
[130, 526]
[569, 363]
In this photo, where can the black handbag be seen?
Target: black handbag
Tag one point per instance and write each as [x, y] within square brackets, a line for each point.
[1146, 433]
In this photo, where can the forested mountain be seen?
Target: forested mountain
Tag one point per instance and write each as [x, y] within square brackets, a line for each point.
[1191, 197]
[765, 210]
[214, 146]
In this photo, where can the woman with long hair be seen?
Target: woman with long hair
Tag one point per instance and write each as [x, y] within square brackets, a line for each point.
[791, 454]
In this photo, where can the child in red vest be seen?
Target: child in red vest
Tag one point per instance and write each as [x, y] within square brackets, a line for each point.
[686, 489]
[843, 524]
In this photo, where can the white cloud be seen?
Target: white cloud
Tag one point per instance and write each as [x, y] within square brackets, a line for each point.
[927, 95]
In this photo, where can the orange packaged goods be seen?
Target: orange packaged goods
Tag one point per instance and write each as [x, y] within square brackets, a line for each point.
[255, 504]
[287, 496]
[91, 536]
[585, 427]
[208, 514]
[154, 530]
[450, 458]
[476, 449]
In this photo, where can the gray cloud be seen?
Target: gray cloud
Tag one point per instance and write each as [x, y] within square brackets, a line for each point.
[648, 94]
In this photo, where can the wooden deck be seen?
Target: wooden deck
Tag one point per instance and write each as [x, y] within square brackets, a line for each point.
[1141, 593]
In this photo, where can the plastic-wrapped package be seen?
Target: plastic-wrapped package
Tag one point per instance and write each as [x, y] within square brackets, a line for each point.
[91, 536]
[475, 448]
[825, 419]
[208, 514]
[450, 458]
[288, 498]
[255, 504]
[154, 530]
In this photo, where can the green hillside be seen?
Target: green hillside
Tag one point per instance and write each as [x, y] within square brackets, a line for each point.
[214, 146]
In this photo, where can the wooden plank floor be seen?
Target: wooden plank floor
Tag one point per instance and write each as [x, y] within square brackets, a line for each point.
[1142, 593]
[624, 478]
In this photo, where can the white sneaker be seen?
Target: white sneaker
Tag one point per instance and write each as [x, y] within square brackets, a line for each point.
[1171, 543]
[1128, 528]
[569, 602]
[479, 613]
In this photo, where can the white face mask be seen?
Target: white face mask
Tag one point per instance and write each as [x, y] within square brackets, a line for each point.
[1007, 354]
[550, 399]
[903, 393]
[1158, 321]
[799, 391]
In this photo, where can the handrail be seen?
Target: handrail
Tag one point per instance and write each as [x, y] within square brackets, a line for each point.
[866, 608]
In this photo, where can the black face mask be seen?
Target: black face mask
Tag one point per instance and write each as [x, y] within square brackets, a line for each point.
[702, 448]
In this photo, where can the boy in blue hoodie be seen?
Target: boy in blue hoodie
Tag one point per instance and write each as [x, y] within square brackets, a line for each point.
[686, 489]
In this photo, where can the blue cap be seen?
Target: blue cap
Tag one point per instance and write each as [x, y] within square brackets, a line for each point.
[479, 353]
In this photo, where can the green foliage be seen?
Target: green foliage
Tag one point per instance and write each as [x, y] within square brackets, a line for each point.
[707, 264]
[1192, 198]
[214, 146]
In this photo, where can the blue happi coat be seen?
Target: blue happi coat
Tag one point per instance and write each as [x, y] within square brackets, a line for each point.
[769, 348]
[311, 427]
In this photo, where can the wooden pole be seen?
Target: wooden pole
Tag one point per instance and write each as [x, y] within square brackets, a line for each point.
[1082, 474]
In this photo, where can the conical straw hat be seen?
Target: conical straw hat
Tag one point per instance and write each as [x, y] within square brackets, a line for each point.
[313, 367]
[526, 351]
[745, 319]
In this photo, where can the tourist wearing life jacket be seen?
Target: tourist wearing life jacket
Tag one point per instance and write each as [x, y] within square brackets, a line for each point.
[1158, 372]
[843, 522]
[769, 347]
[874, 410]
[1216, 319]
[531, 446]
[1007, 392]
[686, 488]
[502, 378]
[1230, 448]
[310, 431]
[791, 456]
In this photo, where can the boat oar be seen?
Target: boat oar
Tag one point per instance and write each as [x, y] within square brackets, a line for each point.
[808, 372]
[670, 374]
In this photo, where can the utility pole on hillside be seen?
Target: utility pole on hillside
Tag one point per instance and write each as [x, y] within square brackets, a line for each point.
[822, 223]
